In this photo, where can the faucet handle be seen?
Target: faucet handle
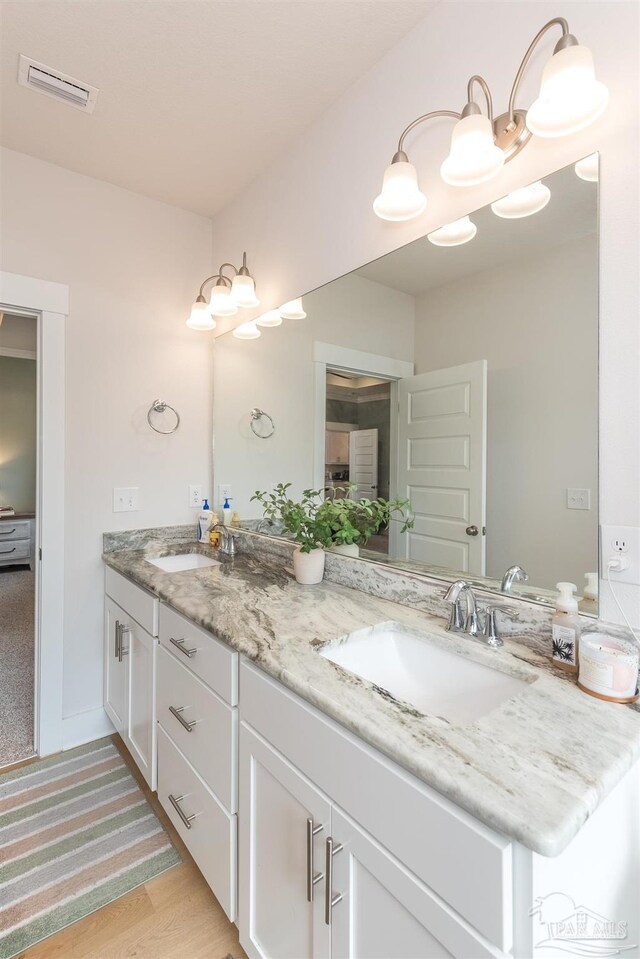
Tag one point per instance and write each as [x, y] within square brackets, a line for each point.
[490, 632]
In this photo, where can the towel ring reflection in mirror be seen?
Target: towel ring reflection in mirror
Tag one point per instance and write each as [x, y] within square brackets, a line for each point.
[256, 417]
[159, 406]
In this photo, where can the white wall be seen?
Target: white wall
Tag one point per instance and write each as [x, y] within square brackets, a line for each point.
[542, 401]
[276, 374]
[132, 266]
[308, 218]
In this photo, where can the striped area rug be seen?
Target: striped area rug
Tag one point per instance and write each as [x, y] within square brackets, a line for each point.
[76, 832]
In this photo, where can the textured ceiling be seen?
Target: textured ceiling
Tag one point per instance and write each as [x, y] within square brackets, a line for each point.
[196, 96]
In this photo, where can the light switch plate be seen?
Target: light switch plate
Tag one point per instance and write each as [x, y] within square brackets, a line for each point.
[224, 491]
[623, 542]
[125, 499]
[578, 498]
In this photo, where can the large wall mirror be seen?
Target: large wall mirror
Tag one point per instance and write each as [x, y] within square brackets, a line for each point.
[463, 377]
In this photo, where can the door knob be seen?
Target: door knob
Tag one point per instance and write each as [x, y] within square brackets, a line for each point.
[472, 531]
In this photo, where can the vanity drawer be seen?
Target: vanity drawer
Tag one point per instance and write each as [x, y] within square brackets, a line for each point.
[206, 656]
[210, 836]
[12, 551]
[139, 604]
[210, 744]
[20, 529]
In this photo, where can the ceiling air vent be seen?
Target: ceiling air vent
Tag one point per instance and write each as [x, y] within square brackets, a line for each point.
[55, 84]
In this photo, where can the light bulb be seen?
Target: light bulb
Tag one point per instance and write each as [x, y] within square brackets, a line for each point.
[454, 234]
[243, 290]
[473, 157]
[589, 168]
[570, 97]
[523, 202]
[400, 198]
[270, 318]
[221, 302]
[200, 318]
[247, 331]
[293, 310]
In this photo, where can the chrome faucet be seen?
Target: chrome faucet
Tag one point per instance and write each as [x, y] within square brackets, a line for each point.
[227, 541]
[513, 574]
[470, 620]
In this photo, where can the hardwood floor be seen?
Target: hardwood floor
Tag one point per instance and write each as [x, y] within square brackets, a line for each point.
[175, 916]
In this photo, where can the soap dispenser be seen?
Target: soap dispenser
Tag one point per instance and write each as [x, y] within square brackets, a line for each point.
[204, 522]
[565, 629]
[226, 512]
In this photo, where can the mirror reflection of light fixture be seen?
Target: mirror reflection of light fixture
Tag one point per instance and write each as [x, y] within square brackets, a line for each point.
[227, 295]
[270, 318]
[570, 98]
[454, 234]
[588, 168]
[293, 310]
[247, 331]
[523, 202]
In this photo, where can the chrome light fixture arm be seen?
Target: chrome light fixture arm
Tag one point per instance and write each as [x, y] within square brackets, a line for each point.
[482, 83]
[566, 40]
[400, 155]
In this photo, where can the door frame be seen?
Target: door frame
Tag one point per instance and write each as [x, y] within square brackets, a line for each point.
[329, 356]
[49, 302]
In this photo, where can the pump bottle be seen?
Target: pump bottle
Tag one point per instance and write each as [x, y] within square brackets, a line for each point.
[565, 629]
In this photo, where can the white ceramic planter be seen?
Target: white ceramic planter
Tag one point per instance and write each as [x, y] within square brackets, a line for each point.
[346, 549]
[308, 567]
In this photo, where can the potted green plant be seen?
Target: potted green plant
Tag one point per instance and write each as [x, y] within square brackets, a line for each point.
[353, 522]
[309, 528]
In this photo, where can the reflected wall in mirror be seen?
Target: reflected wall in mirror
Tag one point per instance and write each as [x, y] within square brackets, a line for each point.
[463, 377]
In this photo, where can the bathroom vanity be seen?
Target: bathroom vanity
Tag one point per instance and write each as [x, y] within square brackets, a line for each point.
[331, 818]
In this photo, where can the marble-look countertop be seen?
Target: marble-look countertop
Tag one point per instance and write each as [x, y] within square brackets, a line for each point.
[535, 768]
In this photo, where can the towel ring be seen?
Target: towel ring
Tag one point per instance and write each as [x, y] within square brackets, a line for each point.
[257, 415]
[159, 406]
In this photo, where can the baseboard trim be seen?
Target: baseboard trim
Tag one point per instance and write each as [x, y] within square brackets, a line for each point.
[85, 727]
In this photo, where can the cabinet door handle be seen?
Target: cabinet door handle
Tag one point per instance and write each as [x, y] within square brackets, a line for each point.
[183, 649]
[312, 878]
[330, 900]
[121, 650]
[116, 630]
[187, 820]
[177, 712]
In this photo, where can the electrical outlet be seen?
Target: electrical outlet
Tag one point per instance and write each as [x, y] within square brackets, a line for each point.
[125, 499]
[195, 496]
[578, 499]
[224, 492]
[621, 542]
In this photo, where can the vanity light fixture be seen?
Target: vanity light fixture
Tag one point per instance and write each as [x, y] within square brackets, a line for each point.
[588, 168]
[523, 202]
[247, 331]
[454, 234]
[570, 98]
[270, 318]
[200, 318]
[227, 295]
[293, 310]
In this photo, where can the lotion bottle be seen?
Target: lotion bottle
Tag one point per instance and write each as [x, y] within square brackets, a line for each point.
[226, 512]
[204, 522]
[565, 629]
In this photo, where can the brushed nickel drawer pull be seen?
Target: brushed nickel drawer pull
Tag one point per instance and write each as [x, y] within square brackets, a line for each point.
[312, 878]
[329, 899]
[8, 532]
[12, 550]
[187, 820]
[183, 649]
[177, 712]
[121, 650]
[117, 628]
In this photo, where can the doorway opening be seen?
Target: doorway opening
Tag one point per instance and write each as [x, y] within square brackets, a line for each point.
[18, 509]
[358, 440]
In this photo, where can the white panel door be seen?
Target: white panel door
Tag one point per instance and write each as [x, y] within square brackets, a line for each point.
[442, 444]
[276, 918]
[363, 463]
[385, 910]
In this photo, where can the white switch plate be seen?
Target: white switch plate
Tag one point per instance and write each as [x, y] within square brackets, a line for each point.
[578, 499]
[224, 491]
[620, 541]
[125, 499]
[195, 496]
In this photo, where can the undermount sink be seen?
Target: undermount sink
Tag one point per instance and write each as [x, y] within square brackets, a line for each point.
[181, 562]
[435, 681]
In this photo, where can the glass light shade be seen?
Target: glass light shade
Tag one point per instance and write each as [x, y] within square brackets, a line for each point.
[454, 234]
[589, 168]
[270, 318]
[243, 291]
[400, 198]
[570, 97]
[523, 202]
[221, 302]
[247, 331]
[293, 310]
[473, 157]
[200, 318]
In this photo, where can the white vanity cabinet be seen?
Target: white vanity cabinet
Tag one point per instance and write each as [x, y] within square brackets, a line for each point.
[131, 618]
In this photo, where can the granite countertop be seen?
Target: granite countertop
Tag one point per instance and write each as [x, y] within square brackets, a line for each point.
[535, 768]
